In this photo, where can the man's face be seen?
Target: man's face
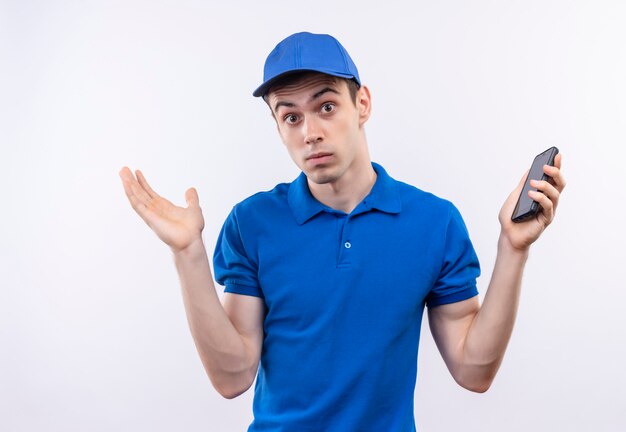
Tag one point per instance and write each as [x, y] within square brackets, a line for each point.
[321, 126]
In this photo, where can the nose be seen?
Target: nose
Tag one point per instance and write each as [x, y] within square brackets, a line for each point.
[312, 131]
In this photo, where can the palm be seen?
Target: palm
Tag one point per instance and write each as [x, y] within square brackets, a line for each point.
[177, 226]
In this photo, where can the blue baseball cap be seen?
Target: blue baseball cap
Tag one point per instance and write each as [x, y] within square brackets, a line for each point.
[307, 52]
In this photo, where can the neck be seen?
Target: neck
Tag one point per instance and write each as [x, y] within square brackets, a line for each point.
[348, 191]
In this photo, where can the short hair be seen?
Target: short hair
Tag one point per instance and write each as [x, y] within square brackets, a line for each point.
[292, 78]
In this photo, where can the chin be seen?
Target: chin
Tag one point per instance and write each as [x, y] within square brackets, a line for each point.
[321, 176]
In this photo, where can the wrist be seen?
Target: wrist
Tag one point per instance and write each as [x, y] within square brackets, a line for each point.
[506, 246]
[194, 250]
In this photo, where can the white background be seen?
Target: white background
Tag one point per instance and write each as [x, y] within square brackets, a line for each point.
[93, 335]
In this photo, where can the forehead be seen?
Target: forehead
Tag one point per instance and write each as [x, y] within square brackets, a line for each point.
[305, 87]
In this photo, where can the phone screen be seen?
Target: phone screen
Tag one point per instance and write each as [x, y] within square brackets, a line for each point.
[526, 207]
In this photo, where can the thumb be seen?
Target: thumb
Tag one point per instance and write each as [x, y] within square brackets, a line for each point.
[191, 196]
[523, 179]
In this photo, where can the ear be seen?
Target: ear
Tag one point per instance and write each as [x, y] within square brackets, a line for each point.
[364, 104]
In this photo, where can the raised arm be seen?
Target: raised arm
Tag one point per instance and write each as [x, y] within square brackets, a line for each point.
[472, 338]
[228, 337]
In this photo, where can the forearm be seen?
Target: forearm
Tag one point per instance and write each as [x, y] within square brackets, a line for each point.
[473, 338]
[492, 326]
[228, 361]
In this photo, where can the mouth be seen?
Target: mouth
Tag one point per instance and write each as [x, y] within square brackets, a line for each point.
[318, 156]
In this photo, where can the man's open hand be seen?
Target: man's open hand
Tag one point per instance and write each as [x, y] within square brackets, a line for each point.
[177, 226]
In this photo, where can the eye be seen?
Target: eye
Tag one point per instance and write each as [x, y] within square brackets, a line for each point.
[290, 118]
[328, 107]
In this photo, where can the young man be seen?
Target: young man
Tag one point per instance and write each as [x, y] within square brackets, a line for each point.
[327, 277]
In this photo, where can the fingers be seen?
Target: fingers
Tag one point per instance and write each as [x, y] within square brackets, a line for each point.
[547, 188]
[145, 201]
[556, 177]
[127, 180]
[138, 186]
[547, 195]
[549, 191]
[547, 205]
[138, 197]
[144, 184]
[557, 160]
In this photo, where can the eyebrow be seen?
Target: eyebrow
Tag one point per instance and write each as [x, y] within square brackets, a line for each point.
[321, 92]
[311, 99]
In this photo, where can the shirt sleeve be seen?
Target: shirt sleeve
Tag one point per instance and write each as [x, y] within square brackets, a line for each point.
[459, 268]
[232, 265]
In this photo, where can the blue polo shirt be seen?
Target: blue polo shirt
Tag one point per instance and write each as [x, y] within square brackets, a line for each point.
[344, 296]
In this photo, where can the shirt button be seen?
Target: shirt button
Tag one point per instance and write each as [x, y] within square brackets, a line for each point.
[347, 245]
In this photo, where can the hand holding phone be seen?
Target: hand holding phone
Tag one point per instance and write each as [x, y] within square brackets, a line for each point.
[527, 208]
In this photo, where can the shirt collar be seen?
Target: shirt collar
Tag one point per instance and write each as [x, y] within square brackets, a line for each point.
[384, 196]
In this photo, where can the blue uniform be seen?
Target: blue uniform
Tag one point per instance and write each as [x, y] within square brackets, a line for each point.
[344, 296]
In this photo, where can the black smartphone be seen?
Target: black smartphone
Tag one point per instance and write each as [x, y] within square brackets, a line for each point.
[526, 207]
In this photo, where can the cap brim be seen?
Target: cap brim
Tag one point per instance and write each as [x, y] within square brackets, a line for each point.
[264, 88]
